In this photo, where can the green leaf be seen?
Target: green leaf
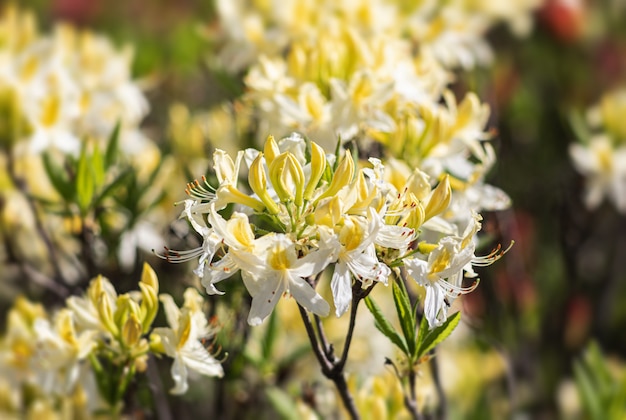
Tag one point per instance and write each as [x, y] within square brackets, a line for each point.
[405, 315]
[589, 397]
[115, 184]
[437, 335]
[84, 183]
[337, 153]
[97, 167]
[283, 403]
[579, 127]
[328, 173]
[384, 326]
[111, 152]
[421, 334]
[267, 345]
[58, 178]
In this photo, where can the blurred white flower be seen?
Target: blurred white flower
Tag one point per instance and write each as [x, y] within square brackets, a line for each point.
[604, 167]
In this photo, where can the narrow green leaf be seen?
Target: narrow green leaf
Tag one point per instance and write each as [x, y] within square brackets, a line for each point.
[154, 174]
[438, 334]
[114, 185]
[579, 127]
[337, 153]
[405, 315]
[328, 173]
[111, 151]
[594, 359]
[267, 345]
[294, 356]
[58, 178]
[384, 326]
[97, 167]
[421, 334]
[587, 390]
[84, 183]
[283, 403]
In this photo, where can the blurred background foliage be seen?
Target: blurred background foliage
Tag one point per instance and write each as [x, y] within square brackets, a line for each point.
[561, 287]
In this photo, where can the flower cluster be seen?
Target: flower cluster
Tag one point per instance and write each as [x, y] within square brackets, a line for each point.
[308, 210]
[373, 69]
[97, 342]
[600, 156]
[65, 87]
[377, 73]
[452, 31]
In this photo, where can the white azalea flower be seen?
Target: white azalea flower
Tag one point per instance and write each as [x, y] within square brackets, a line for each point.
[181, 341]
[210, 241]
[604, 167]
[356, 257]
[442, 276]
[277, 270]
[59, 351]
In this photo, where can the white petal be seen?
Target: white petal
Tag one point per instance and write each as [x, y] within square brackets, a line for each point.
[263, 302]
[342, 288]
[417, 269]
[198, 359]
[306, 296]
[312, 263]
[434, 305]
[217, 272]
[179, 374]
[172, 312]
[168, 339]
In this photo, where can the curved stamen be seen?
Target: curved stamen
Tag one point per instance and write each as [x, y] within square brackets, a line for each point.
[204, 191]
[492, 257]
[174, 256]
[454, 290]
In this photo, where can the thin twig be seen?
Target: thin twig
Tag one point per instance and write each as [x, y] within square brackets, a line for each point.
[329, 367]
[319, 354]
[161, 405]
[346, 348]
[410, 400]
[41, 231]
[326, 346]
[44, 281]
[434, 366]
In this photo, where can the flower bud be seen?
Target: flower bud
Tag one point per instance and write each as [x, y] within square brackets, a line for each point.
[329, 213]
[125, 307]
[258, 182]
[105, 312]
[149, 306]
[318, 166]
[270, 149]
[342, 177]
[287, 178]
[131, 331]
[439, 199]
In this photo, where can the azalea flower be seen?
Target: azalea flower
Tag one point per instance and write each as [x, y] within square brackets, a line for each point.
[59, 351]
[442, 276]
[182, 342]
[604, 167]
[278, 270]
[356, 259]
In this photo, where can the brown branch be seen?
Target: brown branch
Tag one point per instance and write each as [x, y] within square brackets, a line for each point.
[434, 366]
[161, 405]
[21, 185]
[329, 367]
